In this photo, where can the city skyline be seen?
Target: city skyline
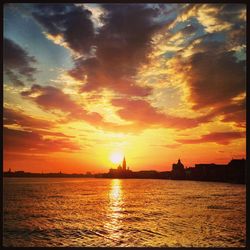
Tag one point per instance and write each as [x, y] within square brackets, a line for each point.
[86, 84]
[232, 172]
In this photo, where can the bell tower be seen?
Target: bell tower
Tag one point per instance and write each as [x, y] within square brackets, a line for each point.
[124, 164]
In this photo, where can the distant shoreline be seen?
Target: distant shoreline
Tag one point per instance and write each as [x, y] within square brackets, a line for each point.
[233, 172]
[131, 178]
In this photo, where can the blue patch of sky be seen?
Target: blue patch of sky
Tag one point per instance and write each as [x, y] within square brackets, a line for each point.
[199, 32]
[20, 27]
[168, 54]
[240, 54]
[167, 13]
[191, 21]
[215, 37]
[188, 38]
[179, 26]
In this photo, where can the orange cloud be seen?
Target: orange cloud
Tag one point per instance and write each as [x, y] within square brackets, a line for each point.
[141, 112]
[52, 98]
[214, 86]
[13, 117]
[34, 142]
[217, 137]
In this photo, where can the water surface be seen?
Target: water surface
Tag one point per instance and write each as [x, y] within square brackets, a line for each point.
[128, 213]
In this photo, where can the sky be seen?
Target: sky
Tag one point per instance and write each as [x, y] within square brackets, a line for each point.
[86, 84]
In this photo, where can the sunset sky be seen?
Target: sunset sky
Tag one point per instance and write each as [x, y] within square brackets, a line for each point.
[85, 84]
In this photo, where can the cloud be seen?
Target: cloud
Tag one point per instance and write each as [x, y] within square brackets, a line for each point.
[216, 82]
[214, 77]
[122, 45]
[143, 116]
[101, 76]
[211, 70]
[126, 36]
[233, 112]
[223, 138]
[238, 117]
[71, 23]
[33, 142]
[52, 98]
[28, 123]
[13, 77]
[141, 112]
[189, 29]
[17, 63]
[174, 145]
[214, 17]
[110, 55]
[221, 20]
[13, 117]
[171, 146]
[51, 133]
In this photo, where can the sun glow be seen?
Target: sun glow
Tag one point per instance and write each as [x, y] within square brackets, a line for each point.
[116, 157]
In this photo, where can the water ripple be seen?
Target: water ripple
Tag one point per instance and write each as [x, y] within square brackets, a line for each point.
[122, 213]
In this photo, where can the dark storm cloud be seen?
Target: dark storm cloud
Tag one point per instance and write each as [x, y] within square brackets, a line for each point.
[214, 75]
[125, 39]
[122, 45]
[231, 13]
[13, 77]
[17, 63]
[69, 21]
[216, 78]
[100, 76]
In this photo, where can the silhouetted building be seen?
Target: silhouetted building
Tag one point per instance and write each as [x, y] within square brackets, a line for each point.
[88, 174]
[210, 172]
[121, 171]
[178, 171]
[236, 170]
[124, 164]
[178, 166]
[233, 172]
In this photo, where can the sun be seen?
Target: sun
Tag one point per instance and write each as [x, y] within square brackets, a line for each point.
[116, 157]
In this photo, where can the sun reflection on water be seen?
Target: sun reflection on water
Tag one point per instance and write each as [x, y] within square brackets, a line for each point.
[114, 223]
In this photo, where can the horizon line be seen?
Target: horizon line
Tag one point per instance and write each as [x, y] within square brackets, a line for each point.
[89, 172]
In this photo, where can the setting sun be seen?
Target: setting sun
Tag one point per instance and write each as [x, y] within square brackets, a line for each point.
[116, 157]
[127, 121]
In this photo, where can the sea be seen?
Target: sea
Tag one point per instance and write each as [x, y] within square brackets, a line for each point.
[89, 212]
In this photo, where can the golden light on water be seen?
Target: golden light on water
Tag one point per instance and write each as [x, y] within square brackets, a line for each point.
[115, 196]
[115, 215]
